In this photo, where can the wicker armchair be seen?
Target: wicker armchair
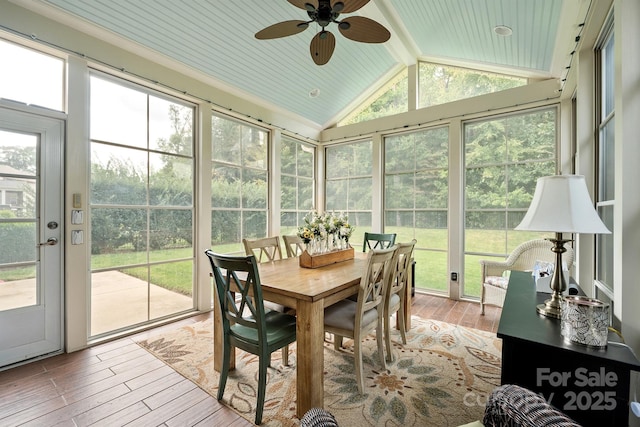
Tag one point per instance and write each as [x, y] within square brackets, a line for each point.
[523, 257]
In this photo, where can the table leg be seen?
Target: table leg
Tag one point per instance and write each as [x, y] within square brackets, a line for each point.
[407, 301]
[217, 340]
[310, 355]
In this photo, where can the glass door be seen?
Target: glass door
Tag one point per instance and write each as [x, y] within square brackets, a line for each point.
[31, 232]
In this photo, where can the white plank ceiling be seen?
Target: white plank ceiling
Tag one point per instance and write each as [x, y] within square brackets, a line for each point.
[216, 37]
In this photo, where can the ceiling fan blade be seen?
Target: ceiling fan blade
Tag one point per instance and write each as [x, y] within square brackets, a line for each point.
[301, 3]
[282, 29]
[349, 5]
[322, 46]
[364, 30]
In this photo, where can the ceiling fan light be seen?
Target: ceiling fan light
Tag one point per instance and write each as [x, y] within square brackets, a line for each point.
[338, 6]
[309, 7]
[344, 25]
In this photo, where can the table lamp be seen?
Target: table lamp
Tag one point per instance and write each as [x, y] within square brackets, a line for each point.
[561, 204]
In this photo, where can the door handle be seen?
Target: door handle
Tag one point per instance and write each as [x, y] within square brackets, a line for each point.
[50, 242]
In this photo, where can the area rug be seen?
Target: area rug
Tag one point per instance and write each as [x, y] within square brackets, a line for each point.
[441, 377]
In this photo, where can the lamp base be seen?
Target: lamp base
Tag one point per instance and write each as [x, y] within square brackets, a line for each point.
[549, 309]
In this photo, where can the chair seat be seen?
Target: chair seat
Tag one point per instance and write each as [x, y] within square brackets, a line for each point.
[499, 281]
[279, 326]
[343, 315]
[394, 300]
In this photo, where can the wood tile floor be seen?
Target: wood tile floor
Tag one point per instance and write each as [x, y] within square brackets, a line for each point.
[119, 383]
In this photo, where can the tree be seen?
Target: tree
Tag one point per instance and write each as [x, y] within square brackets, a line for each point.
[20, 158]
[440, 84]
[147, 210]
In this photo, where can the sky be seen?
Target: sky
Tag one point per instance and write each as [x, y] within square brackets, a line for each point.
[33, 78]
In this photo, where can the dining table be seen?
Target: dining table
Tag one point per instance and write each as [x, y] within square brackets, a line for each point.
[309, 291]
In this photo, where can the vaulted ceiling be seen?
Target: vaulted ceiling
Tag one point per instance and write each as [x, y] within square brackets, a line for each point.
[216, 38]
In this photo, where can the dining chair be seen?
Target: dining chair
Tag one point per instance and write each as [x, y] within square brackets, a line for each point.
[396, 293]
[294, 245]
[378, 240]
[246, 324]
[355, 319]
[265, 249]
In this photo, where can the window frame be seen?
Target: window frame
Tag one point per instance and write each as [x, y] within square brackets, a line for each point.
[470, 258]
[353, 214]
[299, 211]
[235, 247]
[604, 150]
[148, 206]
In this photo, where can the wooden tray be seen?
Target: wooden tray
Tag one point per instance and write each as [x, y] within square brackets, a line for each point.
[320, 260]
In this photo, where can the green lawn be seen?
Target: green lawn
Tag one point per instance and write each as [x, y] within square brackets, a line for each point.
[430, 256]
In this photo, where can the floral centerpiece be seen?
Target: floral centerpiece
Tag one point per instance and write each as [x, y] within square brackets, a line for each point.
[325, 232]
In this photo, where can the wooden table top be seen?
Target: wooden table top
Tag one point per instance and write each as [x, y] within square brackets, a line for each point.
[286, 277]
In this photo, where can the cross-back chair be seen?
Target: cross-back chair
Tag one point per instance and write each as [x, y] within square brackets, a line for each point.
[266, 249]
[396, 293]
[378, 241]
[294, 245]
[355, 319]
[246, 323]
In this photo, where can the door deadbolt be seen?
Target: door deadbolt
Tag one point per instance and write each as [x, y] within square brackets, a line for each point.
[52, 225]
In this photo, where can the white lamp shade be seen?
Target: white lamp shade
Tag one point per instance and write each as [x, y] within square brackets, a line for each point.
[561, 204]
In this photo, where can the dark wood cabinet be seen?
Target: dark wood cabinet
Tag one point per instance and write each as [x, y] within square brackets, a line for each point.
[588, 384]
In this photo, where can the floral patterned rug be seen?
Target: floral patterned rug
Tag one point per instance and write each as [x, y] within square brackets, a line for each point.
[441, 377]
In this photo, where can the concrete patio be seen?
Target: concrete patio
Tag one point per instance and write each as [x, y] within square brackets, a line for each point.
[117, 300]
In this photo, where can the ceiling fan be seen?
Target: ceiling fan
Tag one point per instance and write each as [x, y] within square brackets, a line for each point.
[325, 12]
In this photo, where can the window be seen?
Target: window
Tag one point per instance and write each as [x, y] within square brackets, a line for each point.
[504, 157]
[141, 202]
[296, 183]
[416, 199]
[439, 84]
[605, 177]
[349, 183]
[31, 77]
[239, 184]
[13, 199]
[392, 98]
